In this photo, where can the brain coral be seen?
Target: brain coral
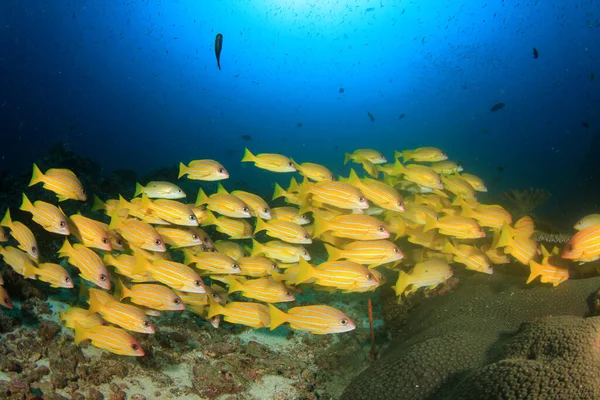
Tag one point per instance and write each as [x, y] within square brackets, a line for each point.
[469, 344]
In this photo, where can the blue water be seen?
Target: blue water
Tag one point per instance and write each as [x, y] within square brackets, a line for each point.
[134, 84]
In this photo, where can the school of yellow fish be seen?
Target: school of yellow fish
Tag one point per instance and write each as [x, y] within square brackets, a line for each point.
[426, 202]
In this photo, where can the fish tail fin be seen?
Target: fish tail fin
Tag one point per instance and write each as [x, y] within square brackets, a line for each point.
[535, 270]
[320, 225]
[397, 154]
[305, 271]
[235, 285]
[333, 253]
[125, 291]
[139, 189]
[406, 155]
[347, 157]
[398, 168]
[261, 225]
[183, 169]
[209, 218]
[448, 248]
[187, 256]
[66, 248]
[6, 221]
[430, 223]
[353, 179]
[278, 192]
[257, 248]
[402, 283]
[30, 271]
[98, 204]
[294, 187]
[95, 304]
[141, 265]
[202, 197]
[214, 309]
[248, 156]
[26, 205]
[115, 221]
[277, 317]
[506, 236]
[80, 333]
[108, 259]
[369, 167]
[36, 176]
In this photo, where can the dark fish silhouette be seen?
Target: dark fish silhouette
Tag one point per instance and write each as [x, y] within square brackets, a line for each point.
[371, 117]
[341, 90]
[536, 54]
[401, 116]
[585, 124]
[246, 138]
[497, 106]
[218, 47]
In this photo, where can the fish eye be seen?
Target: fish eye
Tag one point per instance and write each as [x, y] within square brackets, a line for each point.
[245, 209]
[177, 300]
[275, 266]
[396, 250]
[288, 293]
[569, 247]
[306, 236]
[178, 190]
[135, 346]
[235, 266]
[62, 224]
[291, 164]
[332, 178]
[400, 203]
[146, 324]
[120, 242]
[192, 217]
[305, 252]
[216, 296]
[33, 249]
[158, 242]
[103, 277]
[198, 283]
[381, 228]
[344, 321]
[370, 276]
[266, 211]
[221, 170]
[361, 199]
[105, 240]
[194, 237]
[67, 279]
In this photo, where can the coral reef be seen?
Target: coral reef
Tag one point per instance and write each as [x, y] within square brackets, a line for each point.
[447, 340]
[522, 202]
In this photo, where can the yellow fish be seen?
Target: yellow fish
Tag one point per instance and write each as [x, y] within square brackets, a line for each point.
[430, 274]
[21, 234]
[290, 197]
[347, 276]
[179, 237]
[126, 316]
[55, 275]
[524, 227]
[455, 226]
[587, 221]
[337, 194]
[257, 267]
[63, 182]
[3, 236]
[366, 252]
[547, 273]
[90, 232]
[319, 320]
[278, 250]
[473, 258]
[459, 187]
[159, 190]
[224, 203]
[109, 338]
[262, 289]
[372, 156]
[290, 214]
[447, 167]
[378, 192]
[232, 249]
[584, 246]
[199, 299]
[50, 217]
[314, 172]
[18, 261]
[258, 207]
[422, 154]
[234, 228]
[5, 298]
[254, 315]
[430, 240]
[153, 296]
[125, 265]
[90, 265]
[173, 274]
[270, 162]
[170, 210]
[495, 255]
[489, 216]
[203, 170]
[352, 226]
[419, 174]
[475, 181]
[289, 232]
[213, 262]
[75, 315]
[138, 233]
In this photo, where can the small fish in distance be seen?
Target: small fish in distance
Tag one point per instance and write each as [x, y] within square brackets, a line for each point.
[497, 106]
[536, 54]
[371, 117]
[218, 48]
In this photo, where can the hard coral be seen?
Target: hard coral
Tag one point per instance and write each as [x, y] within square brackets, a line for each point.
[521, 202]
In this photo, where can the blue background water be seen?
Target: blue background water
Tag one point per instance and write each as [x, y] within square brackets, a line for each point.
[135, 84]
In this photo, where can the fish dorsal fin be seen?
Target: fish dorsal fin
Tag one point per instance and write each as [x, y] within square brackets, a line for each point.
[221, 189]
